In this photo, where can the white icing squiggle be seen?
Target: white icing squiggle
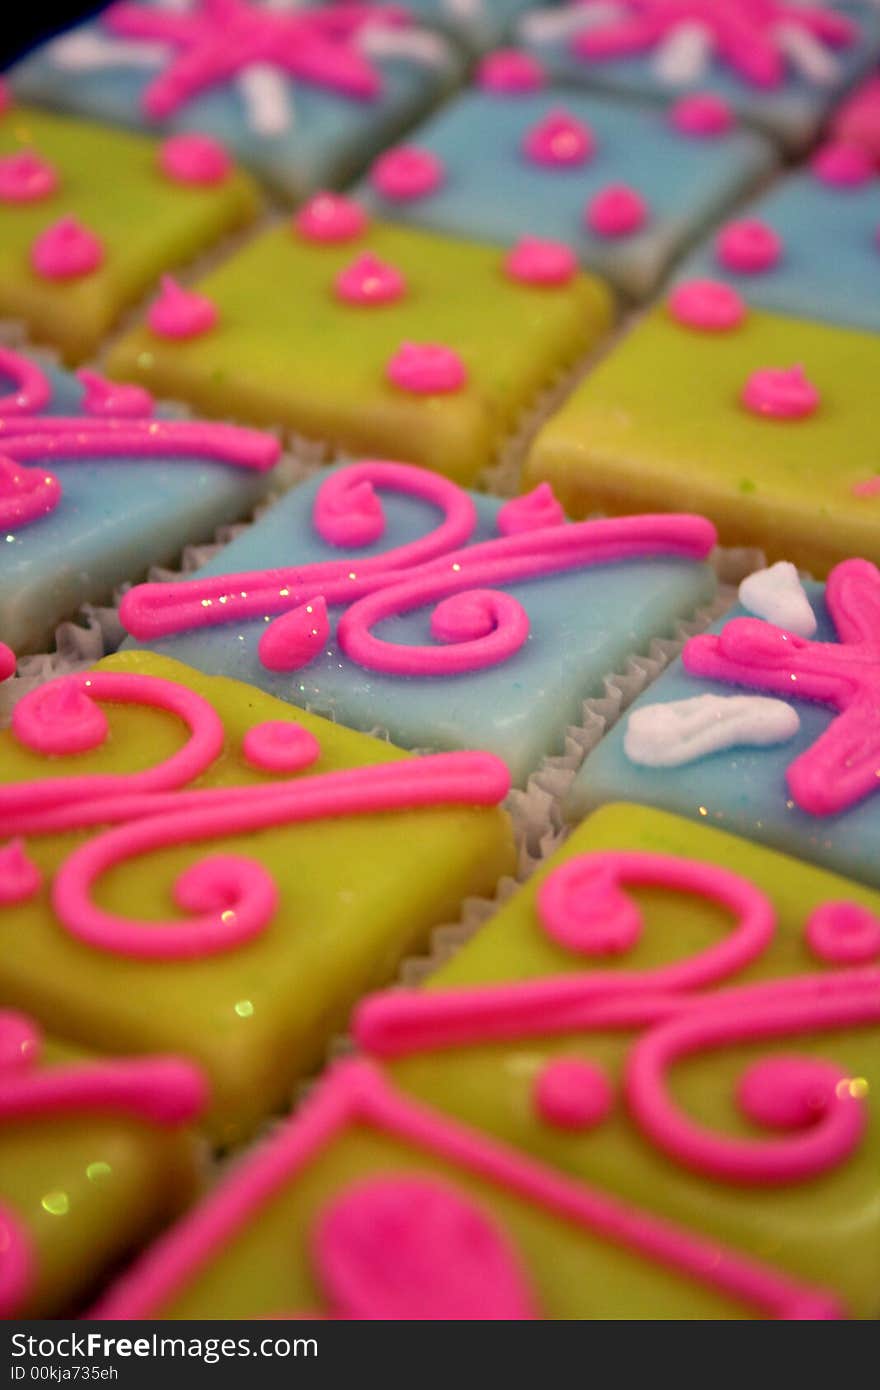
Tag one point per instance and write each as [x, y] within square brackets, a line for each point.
[545, 26]
[777, 595]
[685, 730]
[268, 99]
[89, 52]
[685, 56]
[418, 45]
[807, 55]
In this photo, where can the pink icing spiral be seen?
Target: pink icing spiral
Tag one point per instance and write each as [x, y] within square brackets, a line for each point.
[66, 251]
[510, 72]
[26, 494]
[531, 512]
[180, 313]
[534, 261]
[296, 638]
[60, 718]
[19, 877]
[573, 1094]
[368, 280]
[427, 369]
[843, 933]
[702, 114]
[843, 165]
[112, 399]
[616, 211]
[331, 218]
[749, 247]
[195, 159]
[407, 173]
[26, 178]
[559, 141]
[707, 305]
[780, 393]
[31, 391]
[278, 745]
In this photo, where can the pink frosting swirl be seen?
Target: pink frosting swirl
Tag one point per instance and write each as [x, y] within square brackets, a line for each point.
[559, 141]
[199, 160]
[26, 178]
[179, 313]
[369, 280]
[780, 393]
[331, 218]
[616, 211]
[66, 251]
[510, 72]
[703, 115]
[407, 173]
[534, 261]
[278, 745]
[427, 369]
[749, 247]
[842, 165]
[707, 305]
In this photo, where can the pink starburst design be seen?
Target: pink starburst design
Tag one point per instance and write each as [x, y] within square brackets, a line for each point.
[750, 36]
[843, 766]
[219, 39]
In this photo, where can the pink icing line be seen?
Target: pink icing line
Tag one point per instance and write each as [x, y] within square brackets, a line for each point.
[153, 610]
[488, 627]
[827, 1137]
[26, 178]
[66, 251]
[356, 1094]
[840, 769]
[62, 437]
[235, 897]
[32, 390]
[402, 1020]
[328, 217]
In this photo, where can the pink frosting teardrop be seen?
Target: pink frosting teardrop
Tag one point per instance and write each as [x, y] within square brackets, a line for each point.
[180, 313]
[195, 159]
[113, 399]
[66, 251]
[427, 369]
[296, 638]
[616, 211]
[26, 178]
[707, 305]
[509, 72]
[330, 218]
[19, 876]
[407, 173]
[368, 280]
[536, 262]
[749, 247]
[278, 745]
[703, 115]
[572, 1094]
[780, 393]
[531, 512]
[559, 141]
[843, 165]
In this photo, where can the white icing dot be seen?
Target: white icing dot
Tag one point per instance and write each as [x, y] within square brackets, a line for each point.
[777, 595]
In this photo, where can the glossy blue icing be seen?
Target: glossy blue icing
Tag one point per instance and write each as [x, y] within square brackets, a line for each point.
[830, 269]
[477, 24]
[330, 139]
[792, 112]
[116, 517]
[493, 192]
[742, 790]
[584, 625]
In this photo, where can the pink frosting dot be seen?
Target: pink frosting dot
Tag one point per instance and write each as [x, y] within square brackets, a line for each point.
[572, 1094]
[7, 662]
[26, 178]
[536, 262]
[368, 280]
[427, 369]
[59, 719]
[708, 305]
[703, 115]
[559, 141]
[330, 217]
[111, 398]
[844, 933]
[788, 1093]
[194, 159]
[278, 745]
[616, 211]
[510, 72]
[748, 246]
[407, 173]
[19, 876]
[180, 313]
[66, 250]
[780, 393]
[842, 164]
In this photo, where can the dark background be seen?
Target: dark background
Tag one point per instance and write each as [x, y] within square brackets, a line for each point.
[27, 22]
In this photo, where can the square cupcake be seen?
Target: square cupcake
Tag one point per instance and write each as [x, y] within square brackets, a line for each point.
[387, 598]
[766, 424]
[810, 247]
[302, 95]
[91, 217]
[783, 66]
[765, 723]
[626, 188]
[196, 871]
[580, 1115]
[375, 340]
[95, 1157]
[96, 486]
